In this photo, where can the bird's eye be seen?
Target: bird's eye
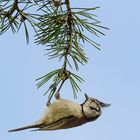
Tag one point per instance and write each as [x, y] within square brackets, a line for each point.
[93, 108]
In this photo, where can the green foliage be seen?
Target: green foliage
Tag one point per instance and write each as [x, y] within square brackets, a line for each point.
[60, 28]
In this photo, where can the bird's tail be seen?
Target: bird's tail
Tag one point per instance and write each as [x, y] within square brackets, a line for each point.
[26, 127]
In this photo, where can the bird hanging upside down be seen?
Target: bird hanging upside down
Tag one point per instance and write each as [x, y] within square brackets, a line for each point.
[63, 114]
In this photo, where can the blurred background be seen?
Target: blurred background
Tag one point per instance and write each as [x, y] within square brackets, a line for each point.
[112, 75]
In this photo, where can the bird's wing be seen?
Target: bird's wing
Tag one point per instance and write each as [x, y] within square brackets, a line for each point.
[60, 115]
[62, 123]
[58, 111]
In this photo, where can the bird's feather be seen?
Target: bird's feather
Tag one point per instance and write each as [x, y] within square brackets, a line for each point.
[60, 109]
[26, 127]
[62, 123]
[59, 115]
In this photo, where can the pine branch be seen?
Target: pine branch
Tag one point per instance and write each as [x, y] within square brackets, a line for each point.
[61, 28]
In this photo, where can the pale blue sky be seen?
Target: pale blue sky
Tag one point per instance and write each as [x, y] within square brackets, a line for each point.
[112, 75]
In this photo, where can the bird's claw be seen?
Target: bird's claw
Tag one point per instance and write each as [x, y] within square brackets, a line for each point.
[57, 96]
[48, 103]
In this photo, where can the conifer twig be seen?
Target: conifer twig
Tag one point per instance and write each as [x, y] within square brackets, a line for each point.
[61, 29]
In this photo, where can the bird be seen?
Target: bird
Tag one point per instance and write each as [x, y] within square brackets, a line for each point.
[64, 114]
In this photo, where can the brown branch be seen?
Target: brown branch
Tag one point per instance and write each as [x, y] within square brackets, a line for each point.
[69, 33]
[64, 75]
[68, 48]
[13, 8]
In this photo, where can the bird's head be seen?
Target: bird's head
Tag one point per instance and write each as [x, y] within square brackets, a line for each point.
[92, 108]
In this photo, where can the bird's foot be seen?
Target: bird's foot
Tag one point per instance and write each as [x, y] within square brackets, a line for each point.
[57, 96]
[48, 103]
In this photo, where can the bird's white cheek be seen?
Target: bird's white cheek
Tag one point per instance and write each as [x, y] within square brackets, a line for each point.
[89, 113]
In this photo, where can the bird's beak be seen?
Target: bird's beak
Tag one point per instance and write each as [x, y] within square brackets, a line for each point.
[86, 96]
[103, 104]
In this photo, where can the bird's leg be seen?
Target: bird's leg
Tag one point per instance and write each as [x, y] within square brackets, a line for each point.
[48, 103]
[57, 96]
[51, 95]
